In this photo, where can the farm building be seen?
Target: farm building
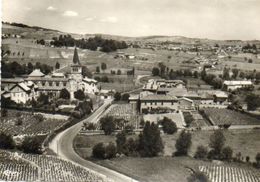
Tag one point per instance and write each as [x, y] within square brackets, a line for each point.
[230, 85]
[162, 86]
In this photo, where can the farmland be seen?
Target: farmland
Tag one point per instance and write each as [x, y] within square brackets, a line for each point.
[27, 124]
[227, 173]
[229, 117]
[27, 167]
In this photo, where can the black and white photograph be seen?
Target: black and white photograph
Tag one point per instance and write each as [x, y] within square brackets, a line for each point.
[130, 91]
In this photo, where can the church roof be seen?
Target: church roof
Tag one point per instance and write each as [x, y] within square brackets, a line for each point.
[76, 57]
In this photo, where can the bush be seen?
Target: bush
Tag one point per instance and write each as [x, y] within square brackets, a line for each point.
[108, 124]
[227, 153]
[183, 143]
[201, 152]
[104, 79]
[131, 147]
[110, 150]
[257, 158]
[79, 94]
[168, 125]
[198, 177]
[6, 141]
[39, 117]
[98, 151]
[4, 112]
[31, 145]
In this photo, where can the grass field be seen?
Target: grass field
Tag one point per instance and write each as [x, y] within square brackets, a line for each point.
[167, 168]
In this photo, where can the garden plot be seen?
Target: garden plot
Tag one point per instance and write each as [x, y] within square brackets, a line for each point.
[230, 174]
[229, 117]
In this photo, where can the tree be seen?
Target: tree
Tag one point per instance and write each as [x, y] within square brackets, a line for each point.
[183, 143]
[168, 125]
[125, 97]
[118, 72]
[257, 158]
[31, 145]
[103, 66]
[198, 177]
[4, 112]
[99, 151]
[110, 150]
[104, 79]
[108, 124]
[150, 142]
[120, 141]
[227, 153]
[86, 72]
[155, 71]
[97, 69]
[57, 66]
[217, 141]
[117, 96]
[253, 101]
[201, 152]
[64, 94]
[6, 141]
[79, 94]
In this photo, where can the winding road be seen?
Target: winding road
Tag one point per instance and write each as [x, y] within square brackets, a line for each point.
[62, 144]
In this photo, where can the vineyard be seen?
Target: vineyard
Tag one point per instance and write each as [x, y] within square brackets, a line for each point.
[230, 174]
[28, 124]
[27, 167]
[226, 116]
[123, 111]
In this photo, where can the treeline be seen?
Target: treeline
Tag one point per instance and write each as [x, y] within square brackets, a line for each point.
[249, 48]
[90, 43]
[10, 70]
[27, 26]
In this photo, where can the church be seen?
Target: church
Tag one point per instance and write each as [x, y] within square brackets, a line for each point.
[21, 90]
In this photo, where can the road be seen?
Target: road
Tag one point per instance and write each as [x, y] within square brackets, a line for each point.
[62, 144]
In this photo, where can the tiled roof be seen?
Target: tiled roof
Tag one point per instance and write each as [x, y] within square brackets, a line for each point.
[158, 98]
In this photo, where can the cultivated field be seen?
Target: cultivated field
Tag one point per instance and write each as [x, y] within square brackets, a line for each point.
[226, 116]
[27, 167]
[28, 124]
[230, 174]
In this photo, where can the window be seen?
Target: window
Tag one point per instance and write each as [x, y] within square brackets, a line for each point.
[162, 104]
[172, 102]
[64, 84]
[155, 103]
[151, 103]
[57, 84]
[43, 83]
[50, 83]
[145, 103]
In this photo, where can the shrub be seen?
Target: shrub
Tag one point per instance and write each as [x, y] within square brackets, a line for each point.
[6, 141]
[39, 117]
[168, 126]
[110, 150]
[98, 151]
[79, 94]
[183, 143]
[198, 177]
[4, 112]
[227, 153]
[31, 145]
[120, 142]
[257, 158]
[131, 147]
[247, 159]
[201, 152]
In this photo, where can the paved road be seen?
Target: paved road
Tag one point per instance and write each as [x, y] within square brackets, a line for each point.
[62, 144]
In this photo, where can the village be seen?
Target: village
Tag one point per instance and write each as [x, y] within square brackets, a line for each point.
[99, 107]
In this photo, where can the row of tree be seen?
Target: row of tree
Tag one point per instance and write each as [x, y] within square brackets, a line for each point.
[10, 70]
[90, 43]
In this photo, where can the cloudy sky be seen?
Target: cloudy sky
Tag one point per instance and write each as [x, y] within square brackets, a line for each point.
[215, 19]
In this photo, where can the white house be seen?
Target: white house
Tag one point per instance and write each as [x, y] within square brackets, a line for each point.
[230, 85]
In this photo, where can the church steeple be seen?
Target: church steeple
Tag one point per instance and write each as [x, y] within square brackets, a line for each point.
[76, 57]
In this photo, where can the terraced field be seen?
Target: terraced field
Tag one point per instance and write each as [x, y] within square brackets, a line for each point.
[230, 174]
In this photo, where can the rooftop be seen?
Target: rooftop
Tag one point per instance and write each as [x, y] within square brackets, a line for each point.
[36, 73]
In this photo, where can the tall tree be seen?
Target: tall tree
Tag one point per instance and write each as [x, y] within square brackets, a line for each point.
[183, 143]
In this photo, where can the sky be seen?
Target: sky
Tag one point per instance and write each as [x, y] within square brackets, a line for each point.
[213, 19]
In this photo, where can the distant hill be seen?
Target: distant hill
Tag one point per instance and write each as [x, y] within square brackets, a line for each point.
[45, 33]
